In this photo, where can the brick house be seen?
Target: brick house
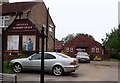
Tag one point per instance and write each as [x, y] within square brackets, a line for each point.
[86, 43]
[59, 46]
[22, 22]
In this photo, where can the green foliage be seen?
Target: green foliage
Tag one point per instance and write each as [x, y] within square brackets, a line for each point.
[23, 56]
[71, 36]
[115, 55]
[111, 59]
[91, 57]
[68, 37]
[8, 67]
[112, 41]
[90, 36]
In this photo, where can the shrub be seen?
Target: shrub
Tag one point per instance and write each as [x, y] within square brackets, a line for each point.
[8, 67]
[97, 58]
[91, 57]
[115, 55]
[118, 54]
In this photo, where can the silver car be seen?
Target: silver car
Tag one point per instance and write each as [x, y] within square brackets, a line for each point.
[83, 57]
[54, 62]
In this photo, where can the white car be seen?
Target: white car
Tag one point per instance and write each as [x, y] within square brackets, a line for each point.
[54, 62]
[83, 57]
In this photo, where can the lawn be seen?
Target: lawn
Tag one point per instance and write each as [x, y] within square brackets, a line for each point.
[114, 60]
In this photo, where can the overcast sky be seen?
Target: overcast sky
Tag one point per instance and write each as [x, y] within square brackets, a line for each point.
[94, 17]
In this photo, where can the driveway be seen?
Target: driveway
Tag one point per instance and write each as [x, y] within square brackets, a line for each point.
[94, 71]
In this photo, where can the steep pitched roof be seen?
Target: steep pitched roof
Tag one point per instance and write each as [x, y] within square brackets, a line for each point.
[21, 7]
[83, 38]
[13, 8]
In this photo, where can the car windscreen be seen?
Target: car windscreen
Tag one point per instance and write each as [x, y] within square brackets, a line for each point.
[63, 55]
[36, 57]
[82, 54]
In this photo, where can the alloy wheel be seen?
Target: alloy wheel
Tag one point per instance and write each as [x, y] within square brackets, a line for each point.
[17, 68]
[58, 70]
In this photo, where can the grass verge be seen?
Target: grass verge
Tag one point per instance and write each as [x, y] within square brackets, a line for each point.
[114, 60]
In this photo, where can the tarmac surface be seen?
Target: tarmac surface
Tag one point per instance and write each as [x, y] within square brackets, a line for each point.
[93, 71]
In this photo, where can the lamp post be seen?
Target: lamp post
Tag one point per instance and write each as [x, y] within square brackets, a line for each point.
[42, 54]
[47, 27]
[2, 50]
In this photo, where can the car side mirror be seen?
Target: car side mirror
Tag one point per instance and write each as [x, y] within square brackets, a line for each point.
[30, 58]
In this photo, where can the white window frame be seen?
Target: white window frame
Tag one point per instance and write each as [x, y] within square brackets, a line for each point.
[50, 29]
[93, 50]
[67, 49]
[13, 42]
[25, 42]
[71, 49]
[97, 50]
[3, 22]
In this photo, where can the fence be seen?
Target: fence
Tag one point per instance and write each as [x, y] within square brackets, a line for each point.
[8, 78]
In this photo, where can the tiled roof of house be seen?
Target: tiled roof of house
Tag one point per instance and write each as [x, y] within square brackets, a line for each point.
[19, 8]
[83, 38]
[12, 8]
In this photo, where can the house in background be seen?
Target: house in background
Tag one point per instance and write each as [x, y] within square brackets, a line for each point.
[84, 42]
[22, 23]
[59, 46]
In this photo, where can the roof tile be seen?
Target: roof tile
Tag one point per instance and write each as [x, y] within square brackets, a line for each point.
[11, 8]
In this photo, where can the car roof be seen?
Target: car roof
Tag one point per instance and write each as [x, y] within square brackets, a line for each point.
[49, 52]
[53, 53]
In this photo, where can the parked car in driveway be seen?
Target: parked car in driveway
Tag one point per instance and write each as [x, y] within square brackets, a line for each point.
[54, 62]
[83, 57]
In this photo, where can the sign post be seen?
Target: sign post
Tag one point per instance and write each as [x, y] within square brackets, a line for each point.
[2, 50]
[42, 55]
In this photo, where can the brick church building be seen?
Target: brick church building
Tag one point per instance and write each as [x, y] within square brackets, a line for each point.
[87, 44]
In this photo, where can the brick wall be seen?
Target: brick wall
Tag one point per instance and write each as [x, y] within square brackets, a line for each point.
[84, 42]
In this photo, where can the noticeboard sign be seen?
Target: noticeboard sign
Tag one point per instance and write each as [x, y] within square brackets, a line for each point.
[20, 25]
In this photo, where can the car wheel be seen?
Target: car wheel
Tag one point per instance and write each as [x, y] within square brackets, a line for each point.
[57, 70]
[17, 68]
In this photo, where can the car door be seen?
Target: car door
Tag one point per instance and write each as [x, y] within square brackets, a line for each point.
[35, 62]
[49, 61]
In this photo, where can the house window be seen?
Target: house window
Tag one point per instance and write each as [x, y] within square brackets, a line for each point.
[5, 21]
[93, 50]
[13, 42]
[71, 49]
[50, 29]
[67, 49]
[28, 43]
[97, 50]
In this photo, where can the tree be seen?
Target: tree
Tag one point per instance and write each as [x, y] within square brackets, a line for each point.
[90, 36]
[71, 36]
[68, 37]
[112, 41]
